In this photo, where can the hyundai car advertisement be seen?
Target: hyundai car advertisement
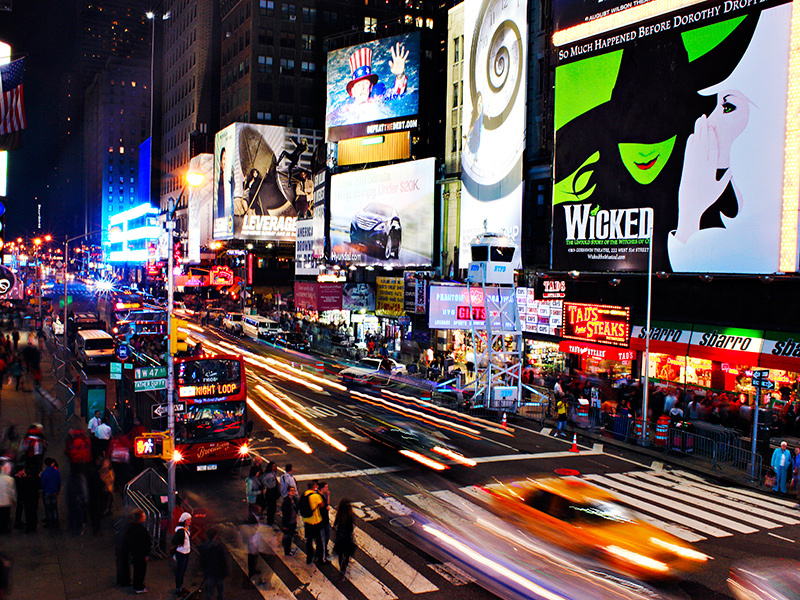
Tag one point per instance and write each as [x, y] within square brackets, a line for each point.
[384, 216]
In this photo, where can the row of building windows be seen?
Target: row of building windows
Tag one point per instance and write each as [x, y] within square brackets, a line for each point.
[121, 180]
[242, 42]
[179, 93]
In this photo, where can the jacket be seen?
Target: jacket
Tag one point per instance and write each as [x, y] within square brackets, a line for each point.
[8, 490]
[776, 459]
[137, 540]
[51, 480]
[289, 512]
[287, 481]
[213, 561]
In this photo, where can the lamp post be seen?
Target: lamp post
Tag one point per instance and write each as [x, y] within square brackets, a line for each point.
[37, 243]
[646, 396]
[193, 180]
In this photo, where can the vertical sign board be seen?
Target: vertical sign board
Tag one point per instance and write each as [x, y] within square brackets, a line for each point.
[389, 298]
[495, 66]
[678, 124]
[304, 262]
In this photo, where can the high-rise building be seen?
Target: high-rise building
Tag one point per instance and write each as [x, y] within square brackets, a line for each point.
[189, 69]
[116, 122]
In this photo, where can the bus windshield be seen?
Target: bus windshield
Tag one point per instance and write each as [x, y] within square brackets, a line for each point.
[211, 421]
[209, 371]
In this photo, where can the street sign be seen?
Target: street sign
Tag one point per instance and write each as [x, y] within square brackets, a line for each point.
[61, 301]
[116, 370]
[765, 384]
[123, 352]
[760, 374]
[114, 375]
[161, 410]
[151, 372]
[147, 385]
[59, 265]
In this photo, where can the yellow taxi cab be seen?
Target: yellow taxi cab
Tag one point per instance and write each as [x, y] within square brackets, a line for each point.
[586, 520]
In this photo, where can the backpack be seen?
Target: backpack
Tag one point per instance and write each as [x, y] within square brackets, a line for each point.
[304, 506]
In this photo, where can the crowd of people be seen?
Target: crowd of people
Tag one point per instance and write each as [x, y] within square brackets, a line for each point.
[265, 489]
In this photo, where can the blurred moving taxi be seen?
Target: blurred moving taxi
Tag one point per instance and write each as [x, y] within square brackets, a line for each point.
[592, 522]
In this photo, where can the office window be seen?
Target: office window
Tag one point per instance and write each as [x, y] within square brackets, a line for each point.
[456, 50]
[288, 12]
[429, 23]
[267, 8]
[110, 168]
[309, 15]
[455, 95]
[264, 116]
[370, 24]
[308, 41]
[287, 40]
[308, 67]
[454, 146]
[265, 64]
[266, 37]
[287, 66]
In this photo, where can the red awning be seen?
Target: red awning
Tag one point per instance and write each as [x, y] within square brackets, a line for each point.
[596, 350]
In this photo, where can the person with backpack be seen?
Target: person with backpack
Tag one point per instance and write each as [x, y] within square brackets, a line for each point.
[289, 520]
[181, 548]
[78, 450]
[310, 508]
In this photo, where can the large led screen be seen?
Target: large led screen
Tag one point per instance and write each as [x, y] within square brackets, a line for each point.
[450, 306]
[258, 186]
[373, 88]
[492, 154]
[384, 215]
[567, 13]
[679, 124]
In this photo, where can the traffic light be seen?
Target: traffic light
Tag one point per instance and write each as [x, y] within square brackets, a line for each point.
[177, 338]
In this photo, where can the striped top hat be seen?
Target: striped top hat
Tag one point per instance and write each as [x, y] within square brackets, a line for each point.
[361, 68]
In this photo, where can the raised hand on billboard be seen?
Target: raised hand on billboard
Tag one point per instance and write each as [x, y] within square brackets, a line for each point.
[398, 62]
[699, 187]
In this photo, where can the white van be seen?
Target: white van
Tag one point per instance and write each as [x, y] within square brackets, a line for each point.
[256, 327]
[94, 347]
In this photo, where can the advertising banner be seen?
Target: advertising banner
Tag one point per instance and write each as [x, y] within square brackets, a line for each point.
[415, 292]
[257, 185]
[221, 275]
[358, 296]
[304, 263]
[305, 295]
[597, 323]
[567, 13]
[200, 213]
[310, 295]
[539, 316]
[678, 124]
[384, 215]
[11, 286]
[450, 305]
[321, 180]
[493, 119]
[373, 88]
[389, 297]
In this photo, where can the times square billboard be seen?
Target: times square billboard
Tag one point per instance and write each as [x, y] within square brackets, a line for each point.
[493, 120]
[384, 216]
[373, 88]
[253, 197]
[683, 124]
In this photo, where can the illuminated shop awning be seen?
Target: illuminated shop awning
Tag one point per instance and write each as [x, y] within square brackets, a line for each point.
[726, 344]
[781, 351]
[596, 351]
[667, 338]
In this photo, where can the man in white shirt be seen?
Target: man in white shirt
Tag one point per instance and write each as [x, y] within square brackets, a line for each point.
[287, 481]
[103, 434]
[94, 422]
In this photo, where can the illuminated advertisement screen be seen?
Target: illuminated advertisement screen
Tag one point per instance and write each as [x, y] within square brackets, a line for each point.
[384, 215]
[597, 323]
[373, 88]
[567, 13]
[208, 378]
[258, 187]
[539, 316]
[493, 119]
[450, 307]
[678, 124]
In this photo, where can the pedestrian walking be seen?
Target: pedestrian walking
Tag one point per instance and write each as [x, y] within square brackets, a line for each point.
[325, 526]
[138, 542]
[344, 541]
[269, 485]
[310, 508]
[8, 496]
[182, 547]
[289, 520]
[15, 338]
[561, 407]
[51, 487]
[77, 501]
[796, 474]
[287, 481]
[253, 492]
[103, 435]
[94, 422]
[782, 463]
[16, 373]
[255, 546]
[214, 565]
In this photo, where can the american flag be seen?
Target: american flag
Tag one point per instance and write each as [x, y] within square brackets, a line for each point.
[12, 106]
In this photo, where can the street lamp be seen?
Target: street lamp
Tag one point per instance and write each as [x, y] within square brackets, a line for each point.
[192, 180]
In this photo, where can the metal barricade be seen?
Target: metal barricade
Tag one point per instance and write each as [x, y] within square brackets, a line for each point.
[145, 491]
[737, 458]
[718, 433]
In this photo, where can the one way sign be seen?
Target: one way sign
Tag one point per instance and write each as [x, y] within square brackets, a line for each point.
[162, 410]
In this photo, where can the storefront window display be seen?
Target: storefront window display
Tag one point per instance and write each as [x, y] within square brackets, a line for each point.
[544, 356]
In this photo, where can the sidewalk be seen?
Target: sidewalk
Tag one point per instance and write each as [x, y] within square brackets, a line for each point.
[54, 565]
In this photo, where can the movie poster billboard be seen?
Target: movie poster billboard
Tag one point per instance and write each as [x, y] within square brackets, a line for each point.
[384, 216]
[676, 124]
[200, 217]
[321, 181]
[493, 119]
[304, 263]
[373, 88]
[568, 13]
[258, 185]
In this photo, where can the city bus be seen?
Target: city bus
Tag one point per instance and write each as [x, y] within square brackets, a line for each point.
[115, 307]
[211, 433]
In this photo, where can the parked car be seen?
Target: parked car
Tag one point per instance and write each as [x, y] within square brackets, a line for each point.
[378, 227]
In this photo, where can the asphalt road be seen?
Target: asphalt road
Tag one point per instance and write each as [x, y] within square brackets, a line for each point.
[311, 423]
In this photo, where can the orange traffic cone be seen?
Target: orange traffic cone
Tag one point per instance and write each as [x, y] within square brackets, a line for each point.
[574, 443]
[504, 423]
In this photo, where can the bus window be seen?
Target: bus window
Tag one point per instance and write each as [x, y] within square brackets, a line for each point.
[210, 421]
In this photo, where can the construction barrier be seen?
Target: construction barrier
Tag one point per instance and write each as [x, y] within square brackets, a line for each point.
[662, 430]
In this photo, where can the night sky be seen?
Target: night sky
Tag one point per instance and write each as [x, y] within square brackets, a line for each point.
[46, 170]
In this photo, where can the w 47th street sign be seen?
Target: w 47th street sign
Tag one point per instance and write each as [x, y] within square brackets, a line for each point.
[151, 372]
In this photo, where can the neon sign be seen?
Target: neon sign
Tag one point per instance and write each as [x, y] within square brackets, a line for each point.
[597, 323]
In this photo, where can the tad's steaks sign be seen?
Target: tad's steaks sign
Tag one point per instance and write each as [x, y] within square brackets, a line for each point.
[597, 323]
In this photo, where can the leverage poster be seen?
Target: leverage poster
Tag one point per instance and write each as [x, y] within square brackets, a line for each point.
[677, 123]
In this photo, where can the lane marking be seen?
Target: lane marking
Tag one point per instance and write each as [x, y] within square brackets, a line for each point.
[450, 572]
[780, 537]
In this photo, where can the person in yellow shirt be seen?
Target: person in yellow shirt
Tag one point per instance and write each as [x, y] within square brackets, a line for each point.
[561, 407]
[310, 507]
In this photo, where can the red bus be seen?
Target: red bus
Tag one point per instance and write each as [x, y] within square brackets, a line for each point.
[211, 433]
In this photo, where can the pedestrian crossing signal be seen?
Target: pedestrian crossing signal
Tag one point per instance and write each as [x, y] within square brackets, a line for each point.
[177, 336]
[154, 445]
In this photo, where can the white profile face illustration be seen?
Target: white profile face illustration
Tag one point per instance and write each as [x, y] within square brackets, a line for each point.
[728, 120]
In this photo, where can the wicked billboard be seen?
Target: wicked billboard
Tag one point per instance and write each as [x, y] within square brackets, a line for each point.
[676, 124]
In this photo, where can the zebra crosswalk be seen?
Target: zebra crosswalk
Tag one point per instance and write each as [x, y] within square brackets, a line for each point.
[678, 502]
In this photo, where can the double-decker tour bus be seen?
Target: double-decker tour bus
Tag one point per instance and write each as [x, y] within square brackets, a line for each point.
[212, 431]
[116, 306]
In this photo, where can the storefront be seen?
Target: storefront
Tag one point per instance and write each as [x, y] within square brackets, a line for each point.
[598, 361]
